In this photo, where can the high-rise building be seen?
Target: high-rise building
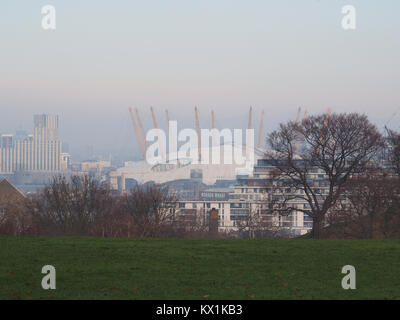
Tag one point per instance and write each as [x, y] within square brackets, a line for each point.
[47, 126]
[38, 152]
[6, 141]
[20, 135]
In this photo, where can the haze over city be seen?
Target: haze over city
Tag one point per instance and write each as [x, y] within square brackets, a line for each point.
[207, 156]
[174, 55]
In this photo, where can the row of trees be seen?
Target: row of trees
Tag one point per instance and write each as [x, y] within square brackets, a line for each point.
[83, 206]
[358, 193]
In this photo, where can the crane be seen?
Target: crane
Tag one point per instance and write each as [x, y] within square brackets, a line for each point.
[141, 129]
[137, 133]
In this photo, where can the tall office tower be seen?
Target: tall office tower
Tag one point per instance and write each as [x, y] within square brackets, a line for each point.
[46, 126]
[6, 147]
[20, 135]
[47, 147]
[38, 152]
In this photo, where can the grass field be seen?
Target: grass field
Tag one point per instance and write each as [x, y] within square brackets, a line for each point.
[94, 268]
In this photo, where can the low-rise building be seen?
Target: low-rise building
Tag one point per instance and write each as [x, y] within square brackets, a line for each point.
[9, 196]
[250, 205]
[95, 165]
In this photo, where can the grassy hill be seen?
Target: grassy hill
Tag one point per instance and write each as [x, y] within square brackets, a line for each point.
[95, 268]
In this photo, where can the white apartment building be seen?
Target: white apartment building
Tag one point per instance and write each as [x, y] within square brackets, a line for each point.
[249, 204]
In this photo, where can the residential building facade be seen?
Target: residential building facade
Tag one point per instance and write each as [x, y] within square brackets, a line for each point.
[251, 203]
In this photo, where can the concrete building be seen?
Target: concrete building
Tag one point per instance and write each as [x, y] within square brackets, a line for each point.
[38, 152]
[247, 205]
[65, 161]
[95, 165]
[6, 140]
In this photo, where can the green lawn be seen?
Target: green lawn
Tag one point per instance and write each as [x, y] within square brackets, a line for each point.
[94, 268]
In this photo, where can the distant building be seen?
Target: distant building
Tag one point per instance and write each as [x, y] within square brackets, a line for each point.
[187, 168]
[38, 152]
[65, 161]
[46, 126]
[247, 203]
[95, 165]
[6, 141]
[20, 135]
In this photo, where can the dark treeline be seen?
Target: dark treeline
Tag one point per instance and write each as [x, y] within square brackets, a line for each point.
[83, 206]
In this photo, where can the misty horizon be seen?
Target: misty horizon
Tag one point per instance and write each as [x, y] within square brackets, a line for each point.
[275, 56]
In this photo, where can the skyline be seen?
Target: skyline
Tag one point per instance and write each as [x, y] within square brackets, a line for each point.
[223, 56]
[214, 154]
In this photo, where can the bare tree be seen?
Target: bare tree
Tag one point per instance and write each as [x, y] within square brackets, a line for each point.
[332, 150]
[370, 207]
[150, 209]
[16, 219]
[72, 206]
[260, 223]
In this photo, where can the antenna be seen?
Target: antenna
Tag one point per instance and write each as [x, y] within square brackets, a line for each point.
[260, 135]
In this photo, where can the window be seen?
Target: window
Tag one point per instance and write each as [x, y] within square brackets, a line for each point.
[307, 221]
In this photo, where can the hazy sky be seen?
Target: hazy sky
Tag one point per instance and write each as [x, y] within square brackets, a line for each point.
[223, 54]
